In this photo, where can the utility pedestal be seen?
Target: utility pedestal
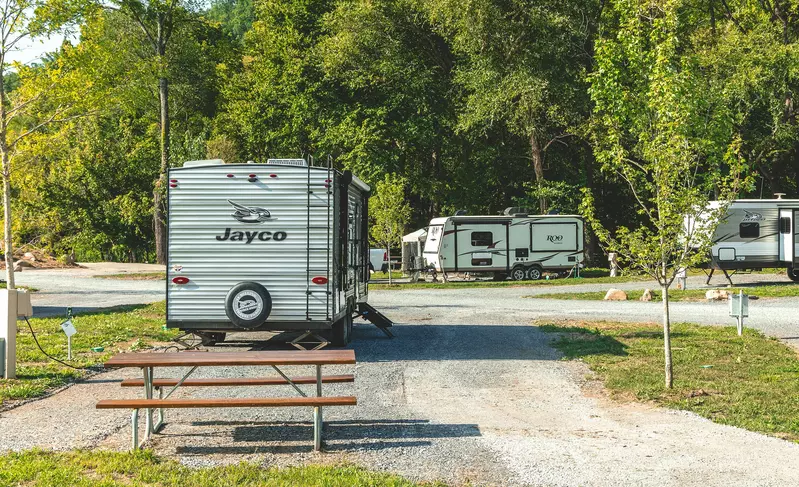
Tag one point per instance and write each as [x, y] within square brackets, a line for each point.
[8, 331]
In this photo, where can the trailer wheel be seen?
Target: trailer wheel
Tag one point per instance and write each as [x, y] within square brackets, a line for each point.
[248, 304]
[518, 273]
[793, 274]
[342, 331]
[534, 273]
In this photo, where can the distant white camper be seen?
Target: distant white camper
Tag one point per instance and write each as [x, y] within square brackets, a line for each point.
[514, 245]
[757, 234]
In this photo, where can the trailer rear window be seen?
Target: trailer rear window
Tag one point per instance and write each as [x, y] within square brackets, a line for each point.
[785, 225]
[749, 230]
[482, 239]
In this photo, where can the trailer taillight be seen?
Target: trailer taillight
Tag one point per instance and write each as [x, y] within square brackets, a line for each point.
[180, 280]
[173, 180]
[173, 185]
[230, 175]
[321, 280]
[252, 178]
[273, 175]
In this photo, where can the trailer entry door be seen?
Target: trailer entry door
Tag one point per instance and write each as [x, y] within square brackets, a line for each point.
[787, 241]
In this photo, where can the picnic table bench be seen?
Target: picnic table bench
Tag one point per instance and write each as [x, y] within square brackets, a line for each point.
[195, 359]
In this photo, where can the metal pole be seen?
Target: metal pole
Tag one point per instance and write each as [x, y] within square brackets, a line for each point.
[317, 412]
[740, 312]
[69, 347]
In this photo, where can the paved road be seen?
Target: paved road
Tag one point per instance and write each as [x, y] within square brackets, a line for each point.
[77, 287]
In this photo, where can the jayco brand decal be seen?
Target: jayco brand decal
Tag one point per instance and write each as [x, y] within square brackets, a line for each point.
[249, 237]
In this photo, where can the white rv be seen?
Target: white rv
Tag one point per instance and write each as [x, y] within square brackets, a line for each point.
[758, 234]
[275, 246]
[513, 245]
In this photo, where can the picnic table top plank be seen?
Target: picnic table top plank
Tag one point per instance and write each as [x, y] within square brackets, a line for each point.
[266, 357]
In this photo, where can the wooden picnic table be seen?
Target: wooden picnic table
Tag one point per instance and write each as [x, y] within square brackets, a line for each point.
[195, 359]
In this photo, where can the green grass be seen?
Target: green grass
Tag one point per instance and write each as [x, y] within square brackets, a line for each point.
[101, 468]
[116, 329]
[27, 288]
[384, 275]
[135, 276]
[781, 291]
[751, 381]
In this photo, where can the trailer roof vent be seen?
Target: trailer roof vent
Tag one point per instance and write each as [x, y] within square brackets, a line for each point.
[516, 211]
[288, 162]
[779, 195]
[203, 162]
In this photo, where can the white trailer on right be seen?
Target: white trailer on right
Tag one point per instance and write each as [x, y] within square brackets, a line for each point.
[514, 245]
[757, 234]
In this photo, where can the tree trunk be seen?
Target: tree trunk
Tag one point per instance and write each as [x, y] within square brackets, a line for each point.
[667, 336]
[159, 220]
[6, 170]
[388, 266]
[538, 166]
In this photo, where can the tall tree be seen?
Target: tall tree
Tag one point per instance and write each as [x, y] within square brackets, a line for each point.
[521, 67]
[656, 126]
[390, 213]
[158, 20]
[41, 96]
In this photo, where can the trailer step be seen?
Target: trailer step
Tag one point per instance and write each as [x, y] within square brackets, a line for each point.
[367, 312]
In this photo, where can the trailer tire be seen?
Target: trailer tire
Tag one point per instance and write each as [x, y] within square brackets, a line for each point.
[248, 304]
[793, 274]
[534, 273]
[518, 273]
[342, 331]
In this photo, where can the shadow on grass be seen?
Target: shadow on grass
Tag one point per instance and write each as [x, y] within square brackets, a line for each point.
[576, 342]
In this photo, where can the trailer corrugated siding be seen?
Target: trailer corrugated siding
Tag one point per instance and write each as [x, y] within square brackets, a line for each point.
[199, 211]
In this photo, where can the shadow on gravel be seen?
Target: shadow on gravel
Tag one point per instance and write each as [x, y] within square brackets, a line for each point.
[339, 435]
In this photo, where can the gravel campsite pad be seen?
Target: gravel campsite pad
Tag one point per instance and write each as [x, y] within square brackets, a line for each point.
[467, 392]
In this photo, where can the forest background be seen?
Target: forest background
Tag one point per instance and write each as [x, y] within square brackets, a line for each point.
[477, 104]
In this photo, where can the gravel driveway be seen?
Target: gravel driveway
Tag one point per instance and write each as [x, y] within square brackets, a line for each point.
[468, 391]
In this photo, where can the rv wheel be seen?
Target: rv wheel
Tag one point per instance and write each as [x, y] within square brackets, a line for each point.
[534, 273]
[248, 305]
[793, 274]
[518, 273]
[342, 331]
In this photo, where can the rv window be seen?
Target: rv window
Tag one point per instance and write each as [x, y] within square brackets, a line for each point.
[785, 225]
[749, 230]
[482, 239]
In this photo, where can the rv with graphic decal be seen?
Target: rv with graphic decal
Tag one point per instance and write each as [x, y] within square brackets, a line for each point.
[514, 245]
[757, 234]
[281, 246]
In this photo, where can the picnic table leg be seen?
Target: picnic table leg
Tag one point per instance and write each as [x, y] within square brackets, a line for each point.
[317, 412]
[148, 394]
[134, 421]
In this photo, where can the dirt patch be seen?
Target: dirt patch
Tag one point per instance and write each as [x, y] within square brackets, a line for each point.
[40, 259]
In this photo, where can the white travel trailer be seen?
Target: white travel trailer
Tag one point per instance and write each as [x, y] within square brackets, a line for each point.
[513, 245]
[757, 234]
[275, 247]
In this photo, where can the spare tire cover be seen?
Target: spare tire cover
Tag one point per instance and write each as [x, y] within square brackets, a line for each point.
[248, 304]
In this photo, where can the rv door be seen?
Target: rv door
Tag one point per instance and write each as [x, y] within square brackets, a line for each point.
[787, 241]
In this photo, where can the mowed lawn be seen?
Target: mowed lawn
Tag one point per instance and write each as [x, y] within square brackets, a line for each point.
[750, 381]
[143, 468]
[773, 291]
[117, 329]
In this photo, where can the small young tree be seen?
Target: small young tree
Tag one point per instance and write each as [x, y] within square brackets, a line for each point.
[391, 213]
[656, 126]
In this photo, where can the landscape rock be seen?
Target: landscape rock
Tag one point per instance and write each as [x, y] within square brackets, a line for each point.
[29, 256]
[615, 295]
[18, 266]
[717, 295]
[647, 296]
